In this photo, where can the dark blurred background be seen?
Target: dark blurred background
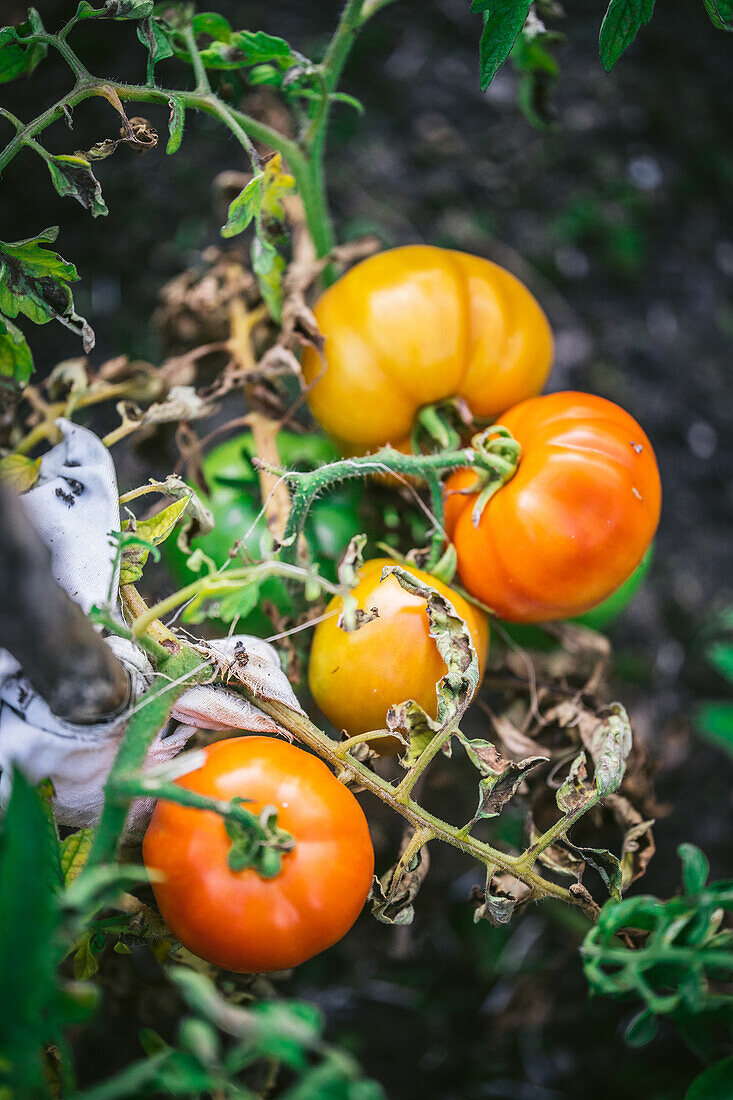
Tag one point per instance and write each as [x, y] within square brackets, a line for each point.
[620, 218]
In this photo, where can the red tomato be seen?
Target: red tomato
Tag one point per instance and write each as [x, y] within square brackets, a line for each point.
[239, 920]
[574, 521]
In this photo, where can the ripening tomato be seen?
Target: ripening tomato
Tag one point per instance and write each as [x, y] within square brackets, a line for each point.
[414, 326]
[575, 520]
[239, 920]
[356, 676]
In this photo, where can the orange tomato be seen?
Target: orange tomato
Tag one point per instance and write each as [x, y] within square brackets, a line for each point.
[356, 676]
[574, 521]
[239, 920]
[414, 326]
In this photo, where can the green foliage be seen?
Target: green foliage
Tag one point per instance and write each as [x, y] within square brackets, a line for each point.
[714, 720]
[72, 175]
[621, 23]
[34, 1007]
[19, 53]
[538, 72]
[684, 966]
[35, 281]
[720, 13]
[16, 361]
[503, 20]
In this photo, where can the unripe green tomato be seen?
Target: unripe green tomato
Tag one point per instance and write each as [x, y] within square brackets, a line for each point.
[598, 618]
[235, 502]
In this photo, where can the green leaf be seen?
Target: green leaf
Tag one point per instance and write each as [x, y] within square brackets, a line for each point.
[244, 208]
[239, 604]
[257, 47]
[72, 175]
[714, 1083]
[642, 1029]
[720, 656]
[16, 361]
[619, 28]
[176, 122]
[269, 268]
[75, 850]
[695, 869]
[85, 964]
[720, 13]
[30, 949]
[715, 723]
[116, 9]
[148, 533]
[213, 24]
[153, 36]
[34, 281]
[19, 53]
[262, 196]
[19, 472]
[503, 20]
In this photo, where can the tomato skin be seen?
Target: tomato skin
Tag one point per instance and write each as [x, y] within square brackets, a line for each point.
[241, 921]
[356, 676]
[574, 521]
[413, 326]
[600, 617]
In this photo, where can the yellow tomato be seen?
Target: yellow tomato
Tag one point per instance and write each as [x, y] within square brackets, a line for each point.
[356, 676]
[414, 326]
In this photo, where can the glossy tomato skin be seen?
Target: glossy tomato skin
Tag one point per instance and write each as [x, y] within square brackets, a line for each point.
[356, 676]
[575, 520]
[239, 920]
[416, 325]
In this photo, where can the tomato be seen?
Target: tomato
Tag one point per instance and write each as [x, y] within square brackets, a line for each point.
[234, 499]
[599, 617]
[239, 920]
[574, 521]
[414, 326]
[356, 676]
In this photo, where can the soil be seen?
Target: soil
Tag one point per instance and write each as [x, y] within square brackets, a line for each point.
[619, 217]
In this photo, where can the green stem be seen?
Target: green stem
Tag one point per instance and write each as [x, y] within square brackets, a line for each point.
[349, 769]
[555, 832]
[148, 716]
[202, 79]
[386, 460]
[140, 93]
[431, 750]
[227, 582]
[438, 536]
[59, 43]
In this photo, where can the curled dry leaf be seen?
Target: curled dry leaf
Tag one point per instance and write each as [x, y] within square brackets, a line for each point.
[500, 777]
[500, 897]
[394, 894]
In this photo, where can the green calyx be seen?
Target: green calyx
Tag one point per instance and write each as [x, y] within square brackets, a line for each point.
[442, 425]
[257, 841]
[497, 457]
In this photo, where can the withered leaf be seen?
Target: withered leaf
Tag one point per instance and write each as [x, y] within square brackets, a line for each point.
[500, 777]
[393, 895]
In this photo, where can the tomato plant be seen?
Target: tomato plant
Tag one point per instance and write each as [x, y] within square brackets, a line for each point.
[416, 325]
[574, 521]
[240, 919]
[356, 676]
[235, 502]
